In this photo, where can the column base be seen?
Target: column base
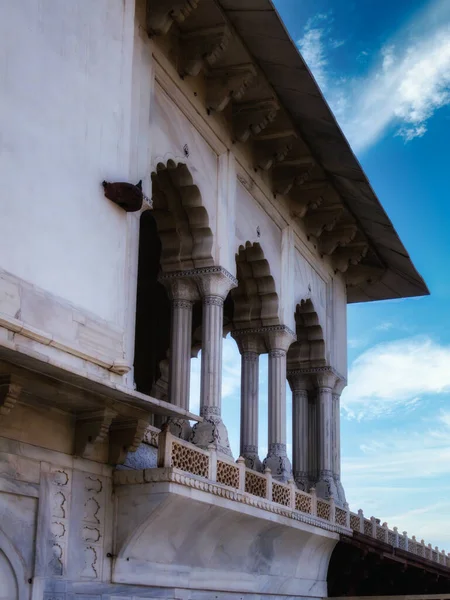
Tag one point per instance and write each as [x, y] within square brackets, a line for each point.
[180, 428]
[252, 460]
[302, 481]
[341, 492]
[211, 432]
[278, 462]
[326, 487]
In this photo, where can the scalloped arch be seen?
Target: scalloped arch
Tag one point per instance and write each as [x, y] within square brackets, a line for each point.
[255, 299]
[181, 218]
[309, 350]
[14, 567]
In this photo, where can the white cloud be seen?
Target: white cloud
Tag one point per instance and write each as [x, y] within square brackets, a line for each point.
[395, 375]
[408, 82]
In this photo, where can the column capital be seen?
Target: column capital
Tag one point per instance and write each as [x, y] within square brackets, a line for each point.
[322, 377]
[249, 340]
[299, 382]
[279, 338]
[180, 287]
[214, 281]
[339, 386]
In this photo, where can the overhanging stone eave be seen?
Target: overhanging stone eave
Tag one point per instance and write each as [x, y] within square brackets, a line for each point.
[263, 32]
[85, 382]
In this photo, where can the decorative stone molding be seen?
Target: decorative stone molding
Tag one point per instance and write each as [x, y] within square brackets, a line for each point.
[286, 176]
[91, 429]
[322, 220]
[227, 84]
[271, 151]
[341, 235]
[352, 254]
[278, 337]
[251, 118]
[318, 372]
[125, 436]
[10, 391]
[172, 475]
[202, 48]
[211, 281]
[180, 287]
[162, 14]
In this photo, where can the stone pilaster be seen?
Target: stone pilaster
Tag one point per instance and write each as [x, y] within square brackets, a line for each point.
[300, 385]
[336, 438]
[278, 340]
[326, 485]
[183, 293]
[214, 283]
[250, 345]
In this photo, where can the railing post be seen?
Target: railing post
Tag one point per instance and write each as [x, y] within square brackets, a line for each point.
[332, 510]
[268, 474]
[347, 515]
[386, 532]
[438, 555]
[414, 544]
[430, 552]
[241, 464]
[293, 489]
[312, 491]
[405, 535]
[361, 520]
[396, 541]
[374, 527]
[165, 447]
[212, 465]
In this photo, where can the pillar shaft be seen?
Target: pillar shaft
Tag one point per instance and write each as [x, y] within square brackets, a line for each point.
[249, 408]
[336, 440]
[312, 441]
[300, 438]
[180, 353]
[211, 360]
[278, 340]
[325, 485]
[214, 284]
[277, 398]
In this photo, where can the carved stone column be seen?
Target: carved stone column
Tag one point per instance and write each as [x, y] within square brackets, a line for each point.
[250, 345]
[278, 340]
[336, 438]
[313, 461]
[182, 292]
[214, 284]
[300, 384]
[326, 485]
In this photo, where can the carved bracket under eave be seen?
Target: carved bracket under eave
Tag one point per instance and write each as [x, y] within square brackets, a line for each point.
[91, 429]
[322, 220]
[125, 436]
[341, 235]
[202, 48]
[250, 118]
[10, 391]
[229, 83]
[162, 14]
[286, 176]
[271, 151]
[352, 254]
[363, 274]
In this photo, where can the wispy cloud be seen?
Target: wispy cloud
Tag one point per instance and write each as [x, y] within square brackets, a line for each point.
[395, 375]
[409, 79]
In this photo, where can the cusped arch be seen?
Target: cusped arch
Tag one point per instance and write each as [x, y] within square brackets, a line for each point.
[309, 350]
[256, 301]
[181, 218]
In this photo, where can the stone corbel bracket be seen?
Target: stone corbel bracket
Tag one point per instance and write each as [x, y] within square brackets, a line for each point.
[202, 48]
[162, 14]
[273, 148]
[352, 254]
[250, 118]
[91, 429]
[323, 220]
[292, 173]
[229, 83]
[125, 436]
[10, 391]
[360, 274]
[341, 235]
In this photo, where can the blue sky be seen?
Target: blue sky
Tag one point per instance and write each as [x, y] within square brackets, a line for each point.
[384, 67]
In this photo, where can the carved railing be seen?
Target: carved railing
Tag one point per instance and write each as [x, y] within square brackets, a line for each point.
[267, 492]
[381, 532]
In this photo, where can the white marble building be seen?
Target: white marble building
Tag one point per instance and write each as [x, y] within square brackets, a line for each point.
[255, 219]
